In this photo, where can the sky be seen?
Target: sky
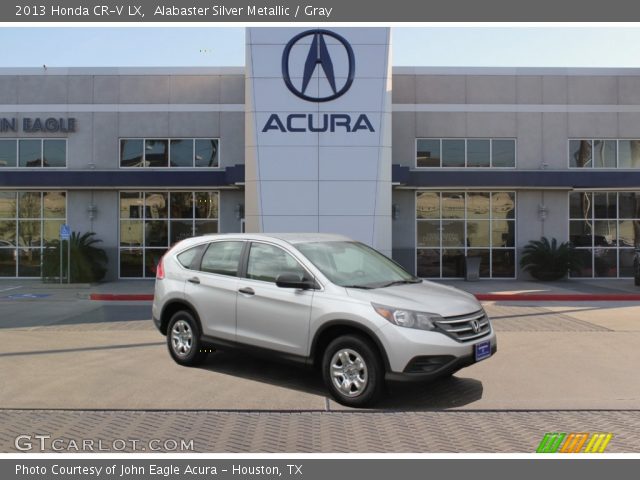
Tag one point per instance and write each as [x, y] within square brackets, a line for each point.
[490, 46]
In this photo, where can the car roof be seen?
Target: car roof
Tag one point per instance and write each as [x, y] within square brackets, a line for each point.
[291, 238]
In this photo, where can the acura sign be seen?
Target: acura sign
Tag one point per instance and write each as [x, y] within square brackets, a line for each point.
[318, 59]
[318, 56]
[318, 132]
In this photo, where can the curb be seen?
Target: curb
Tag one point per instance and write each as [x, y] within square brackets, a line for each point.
[495, 297]
[122, 297]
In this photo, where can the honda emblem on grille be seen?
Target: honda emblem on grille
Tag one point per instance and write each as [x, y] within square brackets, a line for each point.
[475, 325]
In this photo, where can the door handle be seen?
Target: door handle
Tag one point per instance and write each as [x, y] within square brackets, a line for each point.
[195, 280]
[247, 291]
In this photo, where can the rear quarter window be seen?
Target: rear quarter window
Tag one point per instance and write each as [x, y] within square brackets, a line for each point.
[187, 257]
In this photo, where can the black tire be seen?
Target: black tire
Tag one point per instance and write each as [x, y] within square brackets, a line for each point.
[182, 326]
[636, 281]
[355, 348]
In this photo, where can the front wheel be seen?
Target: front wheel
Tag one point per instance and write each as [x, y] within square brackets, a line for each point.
[352, 371]
[183, 339]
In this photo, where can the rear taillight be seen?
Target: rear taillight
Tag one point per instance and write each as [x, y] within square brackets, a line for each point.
[160, 269]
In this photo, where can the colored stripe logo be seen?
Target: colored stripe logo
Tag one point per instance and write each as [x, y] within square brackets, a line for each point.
[574, 442]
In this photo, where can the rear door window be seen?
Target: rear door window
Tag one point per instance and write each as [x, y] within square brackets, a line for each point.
[222, 258]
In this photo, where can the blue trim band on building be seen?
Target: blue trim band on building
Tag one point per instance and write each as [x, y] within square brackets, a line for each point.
[565, 179]
[74, 179]
[139, 178]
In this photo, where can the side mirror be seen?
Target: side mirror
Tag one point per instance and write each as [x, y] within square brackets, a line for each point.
[291, 280]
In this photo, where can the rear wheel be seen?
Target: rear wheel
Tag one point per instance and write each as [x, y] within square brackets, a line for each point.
[352, 371]
[183, 339]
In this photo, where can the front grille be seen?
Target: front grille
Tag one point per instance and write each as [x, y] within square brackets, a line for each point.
[464, 328]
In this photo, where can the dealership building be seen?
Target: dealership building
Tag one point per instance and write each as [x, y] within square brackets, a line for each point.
[318, 132]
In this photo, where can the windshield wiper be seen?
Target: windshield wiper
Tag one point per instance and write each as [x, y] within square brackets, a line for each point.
[399, 282]
[364, 287]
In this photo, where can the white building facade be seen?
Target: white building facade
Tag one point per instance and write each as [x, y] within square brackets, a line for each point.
[318, 132]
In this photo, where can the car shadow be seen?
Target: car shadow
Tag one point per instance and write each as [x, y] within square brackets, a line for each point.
[449, 392]
[259, 369]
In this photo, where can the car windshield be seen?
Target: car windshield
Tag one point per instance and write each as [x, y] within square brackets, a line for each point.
[355, 265]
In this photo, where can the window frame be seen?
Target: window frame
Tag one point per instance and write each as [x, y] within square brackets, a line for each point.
[198, 260]
[17, 165]
[466, 153]
[465, 220]
[592, 218]
[169, 218]
[169, 140]
[41, 219]
[602, 139]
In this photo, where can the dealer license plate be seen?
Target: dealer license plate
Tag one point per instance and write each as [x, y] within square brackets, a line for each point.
[482, 350]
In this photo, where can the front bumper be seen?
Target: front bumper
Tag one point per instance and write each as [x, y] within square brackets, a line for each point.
[404, 345]
[437, 366]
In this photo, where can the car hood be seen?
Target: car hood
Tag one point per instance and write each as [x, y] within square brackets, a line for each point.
[425, 297]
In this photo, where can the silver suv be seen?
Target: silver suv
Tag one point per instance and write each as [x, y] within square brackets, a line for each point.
[322, 300]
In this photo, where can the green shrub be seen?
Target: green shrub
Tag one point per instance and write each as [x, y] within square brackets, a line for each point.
[546, 260]
[88, 262]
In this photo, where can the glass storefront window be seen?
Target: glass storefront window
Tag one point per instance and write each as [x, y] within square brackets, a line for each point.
[453, 205]
[428, 205]
[604, 228]
[503, 153]
[467, 224]
[54, 153]
[8, 153]
[54, 204]
[429, 233]
[8, 204]
[478, 153]
[170, 152]
[131, 153]
[206, 204]
[181, 153]
[30, 153]
[428, 154]
[465, 152]
[604, 153]
[28, 220]
[181, 204]
[156, 153]
[628, 153]
[580, 153]
[151, 222]
[453, 153]
[33, 153]
[478, 205]
[206, 153]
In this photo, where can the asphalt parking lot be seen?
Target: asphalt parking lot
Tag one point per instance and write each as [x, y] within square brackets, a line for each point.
[63, 355]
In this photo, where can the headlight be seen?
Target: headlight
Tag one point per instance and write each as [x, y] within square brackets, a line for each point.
[408, 318]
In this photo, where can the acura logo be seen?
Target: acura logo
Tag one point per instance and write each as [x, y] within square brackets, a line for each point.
[318, 56]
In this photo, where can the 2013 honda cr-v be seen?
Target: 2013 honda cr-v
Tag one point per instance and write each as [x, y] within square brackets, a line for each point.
[320, 299]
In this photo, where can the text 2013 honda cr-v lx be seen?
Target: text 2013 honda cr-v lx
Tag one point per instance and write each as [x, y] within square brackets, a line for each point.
[320, 299]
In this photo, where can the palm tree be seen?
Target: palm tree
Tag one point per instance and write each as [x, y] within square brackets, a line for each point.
[546, 260]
